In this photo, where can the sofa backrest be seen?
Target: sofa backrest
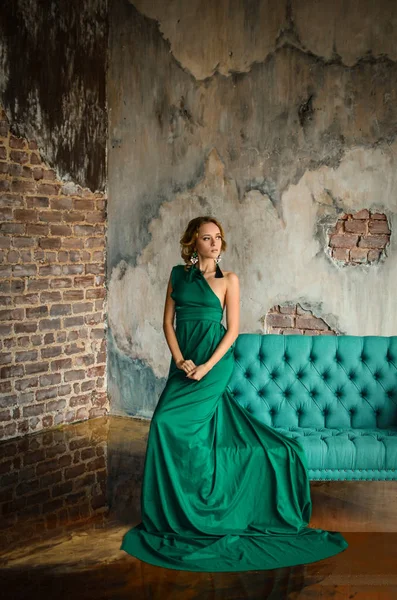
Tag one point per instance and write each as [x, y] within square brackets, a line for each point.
[337, 382]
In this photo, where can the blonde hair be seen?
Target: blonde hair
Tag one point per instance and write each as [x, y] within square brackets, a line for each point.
[188, 239]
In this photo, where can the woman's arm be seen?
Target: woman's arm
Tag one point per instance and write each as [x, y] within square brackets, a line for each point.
[232, 305]
[168, 326]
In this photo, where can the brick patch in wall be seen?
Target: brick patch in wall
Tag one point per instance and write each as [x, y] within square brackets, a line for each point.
[359, 238]
[52, 294]
[52, 482]
[295, 320]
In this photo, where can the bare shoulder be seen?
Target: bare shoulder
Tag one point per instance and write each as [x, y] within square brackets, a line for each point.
[231, 278]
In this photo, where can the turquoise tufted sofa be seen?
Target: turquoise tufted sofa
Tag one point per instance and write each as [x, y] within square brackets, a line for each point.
[336, 394]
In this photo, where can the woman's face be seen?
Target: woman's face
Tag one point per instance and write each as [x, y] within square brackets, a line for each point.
[209, 240]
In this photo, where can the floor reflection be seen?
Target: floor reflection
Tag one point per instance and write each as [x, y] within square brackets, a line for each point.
[68, 495]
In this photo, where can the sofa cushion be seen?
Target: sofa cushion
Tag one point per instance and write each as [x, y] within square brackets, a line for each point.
[336, 382]
[347, 449]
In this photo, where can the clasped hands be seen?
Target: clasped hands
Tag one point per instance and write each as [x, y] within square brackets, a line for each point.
[192, 371]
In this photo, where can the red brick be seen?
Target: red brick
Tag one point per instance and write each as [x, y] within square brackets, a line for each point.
[85, 281]
[347, 240]
[51, 351]
[74, 217]
[27, 355]
[60, 309]
[37, 285]
[49, 270]
[50, 296]
[374, 255]
[55, 405]
[19, 156]
[81, 307]
[378, 226]
[11, 200]
[94, 268]
[46, 394]
[87, 230]
[5, 185]
[48, 189]
[16, 314]
[37, 202]
[310, 322]
[24, 270]
[97, 371]
[25, 242]
[75, 243]
[356, 226]
[83, 204]
[74, 375]
[362, 214]
[40, 367]
[50, 216]
[62, 363]
[49, 324]
[25, 327]
[374, 241]
[73, 472]
[36, 312]
[6, 214]
[12, 228]
[62, 282]
[17, 142]
[24, 384]
[49, 243]
[23, 187]
[73, 295]
[61, 230]
[33, 411]
[358, 255]
[37, 229]
[61, 203]
[72, 269]
[96, 217]
[35, 159]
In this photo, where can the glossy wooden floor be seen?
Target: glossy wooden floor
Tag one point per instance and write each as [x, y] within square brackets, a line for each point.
[78, 556]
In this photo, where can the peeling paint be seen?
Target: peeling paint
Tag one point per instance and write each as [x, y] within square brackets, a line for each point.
[53, 59]
[164, 133]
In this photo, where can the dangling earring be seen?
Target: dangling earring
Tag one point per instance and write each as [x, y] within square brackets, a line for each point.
[218, 272]
[194, 257]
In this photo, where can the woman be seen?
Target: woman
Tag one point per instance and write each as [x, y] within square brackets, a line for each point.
[221, 490]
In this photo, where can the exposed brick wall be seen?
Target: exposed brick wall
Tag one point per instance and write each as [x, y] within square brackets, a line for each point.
[359, 238]
[295, 320]
[52, 481]
[52, 294]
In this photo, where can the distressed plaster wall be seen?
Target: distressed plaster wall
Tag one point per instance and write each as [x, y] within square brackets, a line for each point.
[276, 118]
[52, 82]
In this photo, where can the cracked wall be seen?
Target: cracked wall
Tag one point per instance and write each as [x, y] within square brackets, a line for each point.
[247, 112]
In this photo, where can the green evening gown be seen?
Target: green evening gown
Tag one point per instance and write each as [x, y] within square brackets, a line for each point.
[221, 490]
